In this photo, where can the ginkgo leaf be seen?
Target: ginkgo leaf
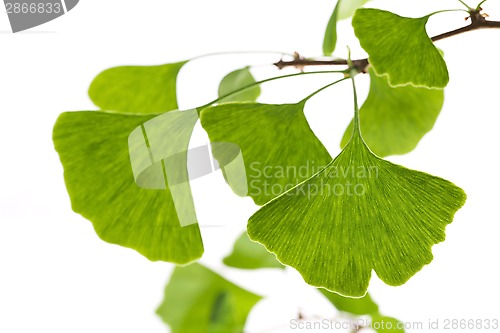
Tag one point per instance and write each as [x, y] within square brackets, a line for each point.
[384, 324]
[356, 306]
[394, 119]
[250, 255]
[236, 80]
[93, 148]
[400, 48]
[330, 38]
[359, 214]
[137, 89]
[343, 10]
[279, 148]
[199, 300]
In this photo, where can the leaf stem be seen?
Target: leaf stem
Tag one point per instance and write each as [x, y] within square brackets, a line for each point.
[216, 54]
[356, 127]
[264, 81]
[478, 8]
[466, 5]
[449, 11]
[321, 89]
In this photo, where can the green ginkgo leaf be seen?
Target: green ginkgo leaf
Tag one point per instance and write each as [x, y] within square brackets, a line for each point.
[400, 48]
[394, 119]
[279, 148]
[93, 148]
[199, 300]
[343, 10]
[236, 80]
[250, 255]
[137, 89]
[359, 214]
[356, 306]
[330, 38]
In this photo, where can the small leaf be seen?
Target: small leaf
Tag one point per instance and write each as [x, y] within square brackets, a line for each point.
[343, 10]
[394, 119]
[199, 300]
[236, 80]
[93, 148]
[137, 89]
[400, 48]
[383, 324]
[330, 39]
[356, 306]
[250, 255]
[359, 214]
[279, 148]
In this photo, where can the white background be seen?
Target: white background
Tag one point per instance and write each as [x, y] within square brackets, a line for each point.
[57, 276]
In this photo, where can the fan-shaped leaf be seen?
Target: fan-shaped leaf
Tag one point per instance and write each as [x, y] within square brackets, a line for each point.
[199, 300]
[93, 148]
[137, 89]
[279, 149]
[359, 214]
[400, 48]
[394, 119]
[238, 79]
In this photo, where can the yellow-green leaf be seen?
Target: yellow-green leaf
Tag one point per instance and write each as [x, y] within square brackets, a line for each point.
[250, 255]
[137, 89]
[236, 80]
[394, 119]
[93, 148]
[199, 300]
[400, 48]
[279, 148]
[360, 214]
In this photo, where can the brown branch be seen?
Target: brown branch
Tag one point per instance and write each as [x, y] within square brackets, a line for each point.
[478, 21]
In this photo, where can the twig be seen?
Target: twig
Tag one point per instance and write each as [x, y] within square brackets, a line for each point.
[478, 21]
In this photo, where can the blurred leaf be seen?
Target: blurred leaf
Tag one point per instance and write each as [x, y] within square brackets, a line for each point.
[199, 300]
[356, 306]
[343, 10]
[278, 146]
[251, 255]
[236, 80]
[330, 39]
[359, 214]
[348, 8]
[362, 307]
[394, 119]
[383, 324]
[400, 48]
[93, 148]
[137, 89]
